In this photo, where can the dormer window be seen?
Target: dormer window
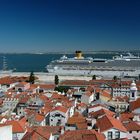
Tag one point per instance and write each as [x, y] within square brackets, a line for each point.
[117, 134]
[109, 135]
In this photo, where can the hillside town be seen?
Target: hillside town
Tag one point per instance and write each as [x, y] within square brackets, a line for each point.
[69, 110]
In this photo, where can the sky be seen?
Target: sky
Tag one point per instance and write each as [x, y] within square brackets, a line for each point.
[69, 25]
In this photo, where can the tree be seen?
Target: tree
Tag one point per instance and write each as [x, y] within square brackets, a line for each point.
[115, 78]
[32, 78]
[62, 89]
[56, 80]
[139, 77]
[94, 77]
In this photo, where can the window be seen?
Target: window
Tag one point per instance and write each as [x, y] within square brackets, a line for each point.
[133, 94]
[57, 115]
[117, 135]
[109, 135]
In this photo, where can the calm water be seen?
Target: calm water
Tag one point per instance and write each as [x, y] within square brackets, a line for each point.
[37, 62]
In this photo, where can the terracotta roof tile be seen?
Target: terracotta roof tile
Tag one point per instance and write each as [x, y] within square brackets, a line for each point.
[60, 108]
[41, 132]
[106, 94]
[45, 86]
[132, 126]
[126, 116]
[135, 104]
[78, 120]
[82, 135]
[16, 127]
[109, 122]
[101, 113]
[39, 117]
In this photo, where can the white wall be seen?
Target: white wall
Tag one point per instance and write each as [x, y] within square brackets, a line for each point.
[94, 109]
[70, 128]
[85, 99]
[133, 134]
[18, 136]
[122, 134]
[54, 119]
[6, 132]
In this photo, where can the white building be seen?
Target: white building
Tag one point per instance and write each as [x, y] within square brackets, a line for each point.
[87, 97]
[133, 91]
[59, 116]
[111, 127]
[6, 132]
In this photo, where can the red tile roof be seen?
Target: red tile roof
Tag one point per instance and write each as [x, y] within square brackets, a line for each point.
[16, 126]
[41, 132]
[78, 120]
[45, 86]
[126, 116]
[7, 80]
[39, 117]
[122, 98]
[82, 135]
[106, 94]
[24, 100]
[75, 83]
[135, 104]
[132, 126]
[101, 113]
[109, 123]
[60, 108]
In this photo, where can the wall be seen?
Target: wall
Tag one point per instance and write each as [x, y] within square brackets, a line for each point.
[6, 133]
[133, 134]
[122, 134]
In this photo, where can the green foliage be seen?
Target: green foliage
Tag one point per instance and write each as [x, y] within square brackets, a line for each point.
[139, 77]
[56, 80]
[62, 89]
[32, 78]
[115, 78]
[94, 77]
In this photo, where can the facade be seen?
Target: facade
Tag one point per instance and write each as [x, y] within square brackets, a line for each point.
[10, 104]
[6, 132]
[22, 86]
[87, 98]
[112, 128]
[58, 116]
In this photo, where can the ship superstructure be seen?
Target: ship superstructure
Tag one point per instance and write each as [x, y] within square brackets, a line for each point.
[128, 65]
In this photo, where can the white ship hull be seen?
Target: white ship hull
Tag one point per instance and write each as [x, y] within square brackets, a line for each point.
[120, 66]
[107, 73]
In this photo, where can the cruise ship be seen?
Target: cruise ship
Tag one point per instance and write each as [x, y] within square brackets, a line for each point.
[122, 66]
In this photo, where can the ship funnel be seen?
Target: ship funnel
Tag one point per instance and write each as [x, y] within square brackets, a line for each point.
[78, 54]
